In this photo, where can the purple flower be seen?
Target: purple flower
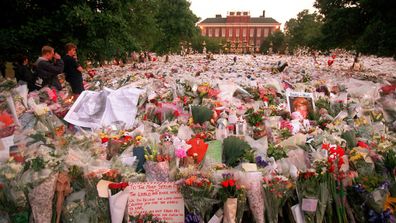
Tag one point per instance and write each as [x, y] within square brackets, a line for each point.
[261, 162]
[227, 175]
[192, 218]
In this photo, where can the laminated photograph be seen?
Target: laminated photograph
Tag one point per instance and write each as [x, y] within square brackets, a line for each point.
[300, 102]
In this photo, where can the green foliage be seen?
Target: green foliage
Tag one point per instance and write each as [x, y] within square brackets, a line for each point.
[212, 44]
[278, 41]
[254, 118]
[367, 26]
[176, 23]
[201, 114]
[390, 160]
[102, 30]
[276, 151]
[234, 150]
[304, 31]
[36, 164]
[350, 138]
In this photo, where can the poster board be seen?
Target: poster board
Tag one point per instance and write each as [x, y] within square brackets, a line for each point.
[162, 199]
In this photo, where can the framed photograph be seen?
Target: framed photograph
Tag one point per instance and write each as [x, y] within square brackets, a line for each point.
[300, 102]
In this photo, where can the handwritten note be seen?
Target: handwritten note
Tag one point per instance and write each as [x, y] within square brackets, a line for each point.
[162, 199]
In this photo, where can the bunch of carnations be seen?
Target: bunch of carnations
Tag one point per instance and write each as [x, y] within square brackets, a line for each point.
[277, 189]
[199, 195]
[313, 194]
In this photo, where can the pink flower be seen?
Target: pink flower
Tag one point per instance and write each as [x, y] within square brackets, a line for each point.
[286, 125]
[181, 153]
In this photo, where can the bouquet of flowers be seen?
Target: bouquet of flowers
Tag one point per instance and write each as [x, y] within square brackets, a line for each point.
[156, 166]
[118, 199]
[199, 194]
[256, 120]
[313, 193]
[336, 159]
[254, 191]
[7, 126]
[229, 192]
[277, 189]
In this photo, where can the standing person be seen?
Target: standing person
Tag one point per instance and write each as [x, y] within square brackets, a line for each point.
[23, 72]
[73, 69]
[48, 70]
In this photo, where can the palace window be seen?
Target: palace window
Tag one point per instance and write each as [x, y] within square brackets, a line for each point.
[217, 31]
[210, 32]
[252, 32]
[237, 32]
[258, 32]
[244, 32]
[223, 32]
[266, 31]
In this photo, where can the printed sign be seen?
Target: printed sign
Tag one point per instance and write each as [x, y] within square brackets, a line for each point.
[162, 199]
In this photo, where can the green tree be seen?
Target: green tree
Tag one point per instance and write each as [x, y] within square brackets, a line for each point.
[304, 31]
[176, 23]
[368, 26]
[101, 29]
[278, 41]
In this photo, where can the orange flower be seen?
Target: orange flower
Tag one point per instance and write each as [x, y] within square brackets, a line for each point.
[191, 180]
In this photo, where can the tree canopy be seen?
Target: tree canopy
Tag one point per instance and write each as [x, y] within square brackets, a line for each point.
[304, 31]
[101, 29]
[368, 26]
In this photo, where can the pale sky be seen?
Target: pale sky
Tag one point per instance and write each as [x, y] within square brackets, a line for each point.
[280, 10]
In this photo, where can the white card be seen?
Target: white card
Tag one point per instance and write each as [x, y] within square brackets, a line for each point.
[309, 204]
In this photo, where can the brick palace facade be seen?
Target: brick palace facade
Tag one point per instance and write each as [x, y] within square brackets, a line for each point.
[241, 32]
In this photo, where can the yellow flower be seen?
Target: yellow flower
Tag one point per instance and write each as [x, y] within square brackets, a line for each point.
[103, 135]
[190, 121]
[356, 157]
[138, 138]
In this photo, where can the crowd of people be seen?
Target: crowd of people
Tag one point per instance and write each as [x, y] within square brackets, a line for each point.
[46, 70]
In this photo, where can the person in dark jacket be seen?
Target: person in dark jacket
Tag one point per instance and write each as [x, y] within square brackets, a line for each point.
[48, 70]
[23, 72]
[73, 69]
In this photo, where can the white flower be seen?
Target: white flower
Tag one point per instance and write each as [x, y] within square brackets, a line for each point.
[41, 109]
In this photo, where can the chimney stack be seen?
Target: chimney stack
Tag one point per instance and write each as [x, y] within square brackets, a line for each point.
[263, 13]
[218, 15]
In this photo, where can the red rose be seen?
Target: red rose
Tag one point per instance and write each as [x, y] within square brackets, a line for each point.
[176, 113]
[104, 140]
[231, 182]
[224, 183]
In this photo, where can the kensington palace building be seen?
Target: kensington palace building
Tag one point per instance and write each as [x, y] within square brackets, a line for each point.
[241, 32]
